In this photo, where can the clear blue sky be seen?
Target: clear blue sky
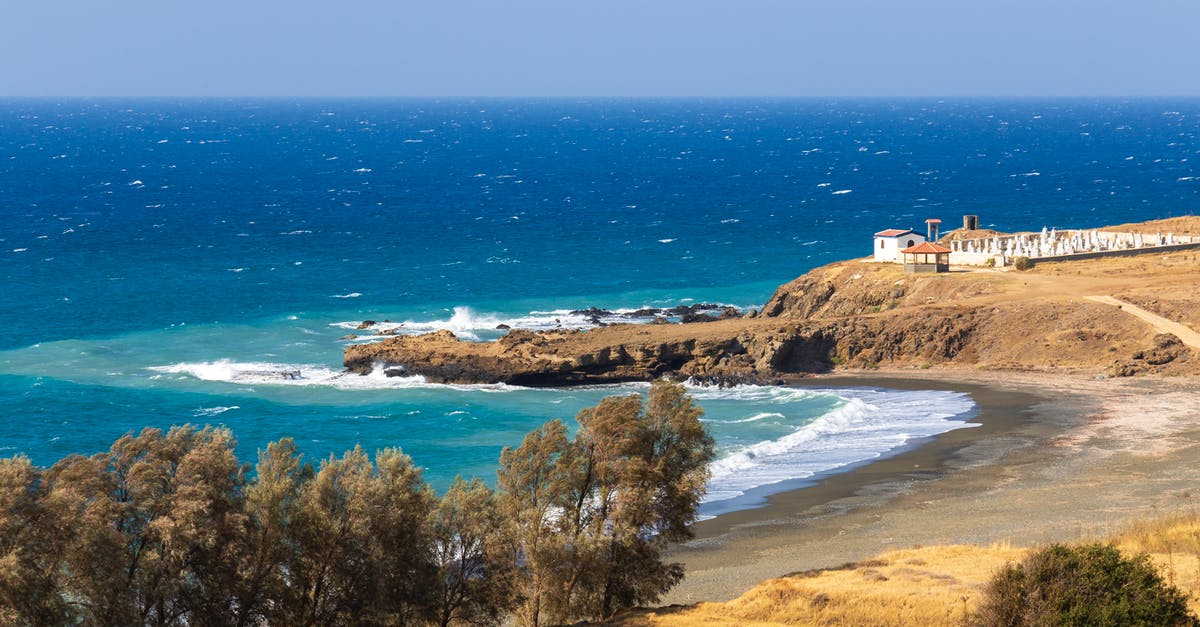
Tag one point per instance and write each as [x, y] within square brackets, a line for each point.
[599, 48]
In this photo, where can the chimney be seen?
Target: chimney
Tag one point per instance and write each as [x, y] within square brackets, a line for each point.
[931, 229]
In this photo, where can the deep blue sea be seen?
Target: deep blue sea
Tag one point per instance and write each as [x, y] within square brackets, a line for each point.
[159, 256]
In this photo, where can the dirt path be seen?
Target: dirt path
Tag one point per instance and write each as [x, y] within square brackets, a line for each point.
[1160, 324]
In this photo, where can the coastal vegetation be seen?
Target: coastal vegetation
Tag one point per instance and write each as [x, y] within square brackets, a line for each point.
[171, 529]
[1147, 574]
[1090, 584]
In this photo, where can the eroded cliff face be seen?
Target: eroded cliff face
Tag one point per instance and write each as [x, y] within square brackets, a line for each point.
[846, 315]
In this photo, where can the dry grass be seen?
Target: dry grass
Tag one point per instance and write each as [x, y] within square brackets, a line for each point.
[939, 585]
[927, 586]
[1173, 543]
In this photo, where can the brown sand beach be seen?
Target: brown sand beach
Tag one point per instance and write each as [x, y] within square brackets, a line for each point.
[1057, 457]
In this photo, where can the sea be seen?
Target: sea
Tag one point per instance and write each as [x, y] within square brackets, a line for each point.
[164, 261]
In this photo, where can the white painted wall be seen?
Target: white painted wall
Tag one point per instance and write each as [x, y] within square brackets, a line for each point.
[888, 248]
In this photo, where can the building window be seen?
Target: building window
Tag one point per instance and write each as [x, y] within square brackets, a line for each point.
[910, 244]
[881, 243]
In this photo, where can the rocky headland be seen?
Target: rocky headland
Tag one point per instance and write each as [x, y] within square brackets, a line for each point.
[1076, 316]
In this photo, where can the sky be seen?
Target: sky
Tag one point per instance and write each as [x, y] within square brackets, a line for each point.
[599, 48]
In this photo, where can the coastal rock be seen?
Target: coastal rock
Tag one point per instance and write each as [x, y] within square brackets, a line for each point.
[847, 315]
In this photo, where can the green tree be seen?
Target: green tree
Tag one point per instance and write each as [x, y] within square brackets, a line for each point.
[272, 501]
[362, 553]
[30, 551]
[469, 539]
[652, 468]
[593, 515]
[532, 481]
[167, 529]
[146, 527]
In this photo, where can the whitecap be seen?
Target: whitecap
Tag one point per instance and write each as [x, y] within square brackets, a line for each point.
[667, 241]
[842, 191]
[755, 418]
[300, 375]
[471, 325]
[213, 411]
[350, 295]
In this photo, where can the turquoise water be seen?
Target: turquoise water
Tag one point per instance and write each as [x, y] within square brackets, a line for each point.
[159, 257]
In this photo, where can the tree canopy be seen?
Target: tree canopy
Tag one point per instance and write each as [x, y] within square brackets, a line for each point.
[171, 529]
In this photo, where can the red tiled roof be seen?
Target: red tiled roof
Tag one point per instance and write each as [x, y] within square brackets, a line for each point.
[893, 233]
[926, 248]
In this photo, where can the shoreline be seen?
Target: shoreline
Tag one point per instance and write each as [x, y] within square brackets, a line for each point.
[1052, 459]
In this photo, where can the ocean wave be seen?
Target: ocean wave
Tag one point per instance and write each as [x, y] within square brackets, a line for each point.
[868, 424]
[755, 418]
[301, 375]
[749, 393]
[469, 324]
[213, 411]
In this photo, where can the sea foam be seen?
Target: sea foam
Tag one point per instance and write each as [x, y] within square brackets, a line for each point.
[468, 324]
[868, 424]
[295, 375]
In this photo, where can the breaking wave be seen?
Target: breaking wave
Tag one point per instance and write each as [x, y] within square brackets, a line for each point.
[866, 425]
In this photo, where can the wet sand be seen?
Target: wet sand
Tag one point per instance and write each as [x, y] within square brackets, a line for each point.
[1056, 457]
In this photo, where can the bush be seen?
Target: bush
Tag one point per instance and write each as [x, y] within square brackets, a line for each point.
[1082, 585]
[1022, 263]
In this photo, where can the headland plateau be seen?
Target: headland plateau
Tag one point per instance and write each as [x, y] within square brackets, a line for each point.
[1118, 316]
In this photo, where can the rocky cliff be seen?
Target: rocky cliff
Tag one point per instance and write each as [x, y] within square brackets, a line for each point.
[849, 315]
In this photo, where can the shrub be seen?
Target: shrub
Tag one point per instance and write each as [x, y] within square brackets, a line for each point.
[1022, 263]
[1082, 585]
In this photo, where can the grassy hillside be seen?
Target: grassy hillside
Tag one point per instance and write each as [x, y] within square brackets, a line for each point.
[937, 585]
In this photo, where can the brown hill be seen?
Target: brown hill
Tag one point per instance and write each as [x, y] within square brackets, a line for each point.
[864, 315]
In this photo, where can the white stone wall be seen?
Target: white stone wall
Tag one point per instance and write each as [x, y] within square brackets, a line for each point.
[890, 251]
[1054, 243]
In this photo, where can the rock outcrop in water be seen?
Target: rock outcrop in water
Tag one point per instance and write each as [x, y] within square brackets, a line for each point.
[552, 358]
[845, 315]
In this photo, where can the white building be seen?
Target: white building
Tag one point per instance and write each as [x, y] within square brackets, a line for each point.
[889, 243]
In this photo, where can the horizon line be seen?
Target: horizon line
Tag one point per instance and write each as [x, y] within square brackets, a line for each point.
[599, 97]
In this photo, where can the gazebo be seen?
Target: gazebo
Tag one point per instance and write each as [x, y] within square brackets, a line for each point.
[926, 257]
